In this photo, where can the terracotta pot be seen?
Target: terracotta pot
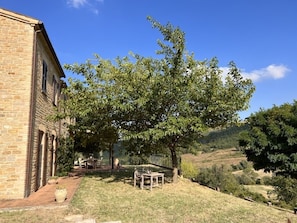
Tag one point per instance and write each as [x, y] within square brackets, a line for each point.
[60, 195]
[52, 181]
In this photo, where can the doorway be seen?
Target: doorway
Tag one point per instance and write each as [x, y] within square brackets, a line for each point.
[41, 161]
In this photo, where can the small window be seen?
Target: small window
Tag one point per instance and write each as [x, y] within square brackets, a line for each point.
[56, 90]
[44, 76]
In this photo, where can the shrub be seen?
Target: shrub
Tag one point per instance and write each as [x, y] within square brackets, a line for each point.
[218, 177]
[266, 180]
[65, 156]
[246, 194]
[189, 170]
[245, 179]
[138, 160]
[259, 181]
[286, 190]
[222, 178]
[243, 165]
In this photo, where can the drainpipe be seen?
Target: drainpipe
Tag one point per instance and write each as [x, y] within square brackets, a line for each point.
[30, 144]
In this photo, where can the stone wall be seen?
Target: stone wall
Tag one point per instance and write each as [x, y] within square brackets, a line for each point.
[15, 70]
[24, 108]
[44, 107]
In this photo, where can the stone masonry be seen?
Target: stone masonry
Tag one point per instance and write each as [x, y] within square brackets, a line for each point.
[28, 140]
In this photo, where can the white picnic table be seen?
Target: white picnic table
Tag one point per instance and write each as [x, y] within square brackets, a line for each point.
[152, 176]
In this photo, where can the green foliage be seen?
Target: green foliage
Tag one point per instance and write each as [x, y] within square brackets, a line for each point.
[155, 105]
[65, 156]
[220, 177]
[93, 129]
[189, 170]
[243, 165]
[246, 194]
[137, 160]
[222, 138]
[266, 180]
[286, 190]
[245, 179]
[270, 143]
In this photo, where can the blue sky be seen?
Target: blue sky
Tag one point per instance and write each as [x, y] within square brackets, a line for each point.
[260, 36]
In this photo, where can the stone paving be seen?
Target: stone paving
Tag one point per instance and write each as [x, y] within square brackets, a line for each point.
[44, 197]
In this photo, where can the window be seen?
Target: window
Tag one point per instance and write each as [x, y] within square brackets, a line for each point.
[56, 90]
[44, 76]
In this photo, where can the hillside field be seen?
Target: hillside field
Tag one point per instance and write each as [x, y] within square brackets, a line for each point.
[218, 157]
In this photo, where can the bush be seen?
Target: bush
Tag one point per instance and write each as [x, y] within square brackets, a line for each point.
[246, 194]
[189, 170]
[259, 181]
[286, 190]
[242, 165]
[245, 179]
[218, 177]
[138, 160]
[65, 156]
[222, 178]
[266, 180]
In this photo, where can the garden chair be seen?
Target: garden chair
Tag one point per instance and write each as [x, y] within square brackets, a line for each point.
[137, 178]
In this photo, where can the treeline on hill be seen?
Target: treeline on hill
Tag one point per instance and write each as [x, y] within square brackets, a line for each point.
[237, 179]
[221, 138]
[213, 140]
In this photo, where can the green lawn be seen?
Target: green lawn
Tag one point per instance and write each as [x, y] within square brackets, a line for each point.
[110, 196]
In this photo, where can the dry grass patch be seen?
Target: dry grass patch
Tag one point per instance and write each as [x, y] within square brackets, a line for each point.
[218, 157]
[34, 216]
[261, 189]
[109, 197]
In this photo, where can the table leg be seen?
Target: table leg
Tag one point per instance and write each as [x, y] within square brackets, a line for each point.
[157, 181]
[142, 182]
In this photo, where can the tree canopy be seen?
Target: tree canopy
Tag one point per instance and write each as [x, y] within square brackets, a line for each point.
[157, 105]
[271, 141]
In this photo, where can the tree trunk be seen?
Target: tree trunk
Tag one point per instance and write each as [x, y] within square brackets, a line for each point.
[174, 164]
[111, 156]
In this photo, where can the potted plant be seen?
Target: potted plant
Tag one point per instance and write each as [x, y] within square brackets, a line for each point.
[53, 180]
[60, 193]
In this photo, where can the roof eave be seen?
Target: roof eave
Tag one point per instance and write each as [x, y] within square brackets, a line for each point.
[40, 26]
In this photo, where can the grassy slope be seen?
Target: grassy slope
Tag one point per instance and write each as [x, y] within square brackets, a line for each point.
[112, 197]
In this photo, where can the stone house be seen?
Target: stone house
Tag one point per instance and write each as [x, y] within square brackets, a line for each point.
[30, 86]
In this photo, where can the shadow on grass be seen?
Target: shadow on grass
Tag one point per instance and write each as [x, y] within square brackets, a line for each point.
[125, 174]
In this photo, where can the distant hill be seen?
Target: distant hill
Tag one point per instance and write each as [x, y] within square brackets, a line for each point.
[214, 140]
[221, 139]
[219, 157]
[218, 147]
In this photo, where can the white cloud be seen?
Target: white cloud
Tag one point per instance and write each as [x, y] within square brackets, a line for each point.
[77, 3]
[272, 71]
[89, 4]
